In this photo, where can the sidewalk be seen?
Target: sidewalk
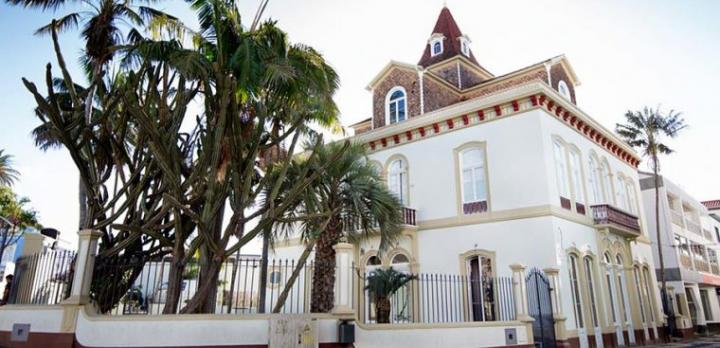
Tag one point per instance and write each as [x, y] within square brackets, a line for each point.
[712, 341]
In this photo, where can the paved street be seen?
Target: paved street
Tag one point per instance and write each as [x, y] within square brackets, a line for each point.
[713, 341]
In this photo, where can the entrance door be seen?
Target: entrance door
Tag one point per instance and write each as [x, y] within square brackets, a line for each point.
[476, 291]
[540, 308]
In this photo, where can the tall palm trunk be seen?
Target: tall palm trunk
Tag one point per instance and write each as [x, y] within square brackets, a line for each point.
[264, 270]
[323, 282]
[663, 283]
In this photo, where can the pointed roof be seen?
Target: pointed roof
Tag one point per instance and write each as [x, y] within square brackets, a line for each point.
[447, 27]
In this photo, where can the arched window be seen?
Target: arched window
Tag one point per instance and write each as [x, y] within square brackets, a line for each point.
[607, 182]
[609, 276]
[374, 261]
[577, 181]
[437, 47]
[590, 281]
[575, 290]
[474, 185]
[563, 89]
[465, 47]
[396, 105]
[397, 180]
[632, 197]
[596, 181]
[622, 288]
[399, 259]
[561, 173]
[622, 193]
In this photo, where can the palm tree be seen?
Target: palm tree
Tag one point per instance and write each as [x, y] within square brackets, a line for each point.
[358, 204]
[382, 285]
[8, 174]
[644, 130]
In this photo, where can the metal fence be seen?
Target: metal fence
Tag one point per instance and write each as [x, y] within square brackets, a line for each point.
[43, 278]
[237, 292]
[445, 298]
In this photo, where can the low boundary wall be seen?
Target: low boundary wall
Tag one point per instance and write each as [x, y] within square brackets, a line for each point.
[68, 326]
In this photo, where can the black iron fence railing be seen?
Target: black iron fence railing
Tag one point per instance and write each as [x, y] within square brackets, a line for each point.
[442, 298]
[43, 278]
[238, 288]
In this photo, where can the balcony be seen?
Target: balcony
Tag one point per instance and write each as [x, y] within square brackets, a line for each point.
[408, 219]
[708, 235]
[693, 227]
[677, 218]
[702, 266]
[686, 262]
[618, 221]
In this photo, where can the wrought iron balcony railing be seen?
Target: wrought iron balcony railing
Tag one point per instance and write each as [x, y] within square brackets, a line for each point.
[408, 218]
[607, 215]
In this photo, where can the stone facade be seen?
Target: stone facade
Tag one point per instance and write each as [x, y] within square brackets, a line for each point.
[437, 95]
[493, 88]
[469, 78]
[447, 72]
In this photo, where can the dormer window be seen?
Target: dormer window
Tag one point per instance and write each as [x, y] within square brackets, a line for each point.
[465, 46]
[564, 90]
[396, 105]
[436, 46]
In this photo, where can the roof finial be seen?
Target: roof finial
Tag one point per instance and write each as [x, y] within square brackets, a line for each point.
[444, 3]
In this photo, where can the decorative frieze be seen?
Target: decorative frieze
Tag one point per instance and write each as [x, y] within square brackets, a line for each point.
[508, 109]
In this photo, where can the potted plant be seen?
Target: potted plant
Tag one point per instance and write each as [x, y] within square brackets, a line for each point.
[382, 285]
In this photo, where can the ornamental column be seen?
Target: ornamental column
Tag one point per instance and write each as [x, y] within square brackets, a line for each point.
[553, 275]
[520, 292]
[343, 280]
[84, 265]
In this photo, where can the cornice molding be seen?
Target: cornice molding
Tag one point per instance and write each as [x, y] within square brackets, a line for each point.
[531, 96]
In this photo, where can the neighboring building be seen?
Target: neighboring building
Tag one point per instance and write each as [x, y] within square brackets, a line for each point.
[31, 242]
[502, 170]
[690, 252]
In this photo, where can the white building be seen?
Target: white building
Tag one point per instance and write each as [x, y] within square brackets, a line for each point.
[497, 171]
[690, 253]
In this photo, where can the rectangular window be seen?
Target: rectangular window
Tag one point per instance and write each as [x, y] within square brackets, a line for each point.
[473, 180]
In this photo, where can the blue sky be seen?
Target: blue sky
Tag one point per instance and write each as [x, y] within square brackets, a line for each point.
[626, 54]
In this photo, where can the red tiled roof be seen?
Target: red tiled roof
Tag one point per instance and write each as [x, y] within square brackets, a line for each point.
[712, 204]
[446, 26]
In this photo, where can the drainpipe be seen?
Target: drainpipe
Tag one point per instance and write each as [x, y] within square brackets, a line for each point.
[459, 76]
[547, 70]
[421, 73]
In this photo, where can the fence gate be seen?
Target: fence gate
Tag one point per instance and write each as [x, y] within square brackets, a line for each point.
[540, 308]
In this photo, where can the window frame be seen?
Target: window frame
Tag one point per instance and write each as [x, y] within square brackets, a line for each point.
[435, 41]
[564, 90]
[404, 180]
[465, 46]
[476, 206]
[389, 101]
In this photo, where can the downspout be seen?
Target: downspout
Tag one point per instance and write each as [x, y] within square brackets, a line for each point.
[459, 76]
[547, 71]
[421, 73]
